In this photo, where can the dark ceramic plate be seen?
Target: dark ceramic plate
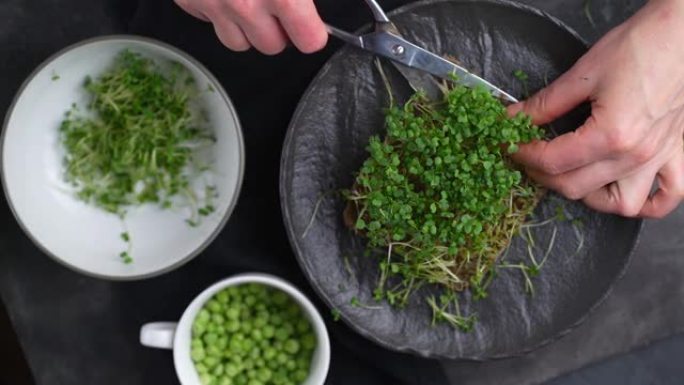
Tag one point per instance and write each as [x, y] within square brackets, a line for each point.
[325, 146]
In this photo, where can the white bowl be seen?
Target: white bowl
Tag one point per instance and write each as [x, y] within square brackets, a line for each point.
[84, 237]
[177, 336]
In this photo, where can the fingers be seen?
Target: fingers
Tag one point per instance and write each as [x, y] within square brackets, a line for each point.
[231, 35]
[186, 5]
[578, 183]
[264, 33]
[625, 197]
[558, 98]
[567, 152]
[266, 25]
[670, 189]
[302, 24]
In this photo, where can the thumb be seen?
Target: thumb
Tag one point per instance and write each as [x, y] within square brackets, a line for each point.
[558, 98]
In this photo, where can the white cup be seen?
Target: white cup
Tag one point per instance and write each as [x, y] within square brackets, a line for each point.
[177, 336]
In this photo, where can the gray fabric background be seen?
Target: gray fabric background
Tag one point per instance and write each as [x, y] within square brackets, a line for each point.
[646, 305]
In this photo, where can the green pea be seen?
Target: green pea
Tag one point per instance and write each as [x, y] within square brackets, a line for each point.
[260, 307]
[290, 365]
[272, 364]
[264, 343]
[212, 328]
[201, 368]
[291, 346]
[270, 353]
[260, 322]
[203, 316]
[217, 319]
[226, 381]
[276, 320]
[251, 374]
[259, 362]
[250, 287]
[210, 361]
[245, 314]
[255, 353]
[214, 351]
[232, 326]
[214, 306]
[264, 375]
[248, 364]
[246, 327]
[196, 343]
[233, 313]
[254, 381]
[303, 363]
[279, 298]
[232, 291]
[222, 342]
[278, 345]
[197, 354]
[309, 341]
[238, 361]
[281, 373]
[300, 375]
[250, 300]
[210, 338]
[231, 370]
[281, 334]
[303, 326]
[263, 313]
[268, 331]
[247, 345]
[293, 310]
[206, 379]
[281, 358]
[198, 328]
[222, 297]
[241, 379]
[218, 370]
[235, 345]
[257, 335]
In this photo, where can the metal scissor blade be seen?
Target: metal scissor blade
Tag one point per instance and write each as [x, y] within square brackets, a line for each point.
[420, 81]
[402, 51]
[345, 36]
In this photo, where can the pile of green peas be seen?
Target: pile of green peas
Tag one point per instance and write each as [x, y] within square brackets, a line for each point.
[252, 334]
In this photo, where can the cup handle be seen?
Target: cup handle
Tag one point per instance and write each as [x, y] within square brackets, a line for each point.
[158, 334]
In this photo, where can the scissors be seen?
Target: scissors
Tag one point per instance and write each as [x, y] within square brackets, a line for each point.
[412, 61]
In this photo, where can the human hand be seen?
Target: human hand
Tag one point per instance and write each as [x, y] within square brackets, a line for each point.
[634, 78]
[266, 25]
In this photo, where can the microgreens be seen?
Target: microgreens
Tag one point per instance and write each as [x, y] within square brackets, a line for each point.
[136, 142]
[140, 143]
[441, 196]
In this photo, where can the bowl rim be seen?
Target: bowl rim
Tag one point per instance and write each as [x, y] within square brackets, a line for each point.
[216, 84]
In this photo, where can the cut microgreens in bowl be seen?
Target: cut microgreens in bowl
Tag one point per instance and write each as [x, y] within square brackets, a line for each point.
[441, 198]
[135, 143]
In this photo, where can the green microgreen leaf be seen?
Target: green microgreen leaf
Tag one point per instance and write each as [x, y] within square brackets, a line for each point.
[441, 195]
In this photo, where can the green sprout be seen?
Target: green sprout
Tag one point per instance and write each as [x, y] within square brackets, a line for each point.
[522, 77]
[441, 196]
[136, 142]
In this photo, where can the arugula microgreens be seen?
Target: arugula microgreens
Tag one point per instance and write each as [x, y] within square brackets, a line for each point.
[136, 143]
[441, 196]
